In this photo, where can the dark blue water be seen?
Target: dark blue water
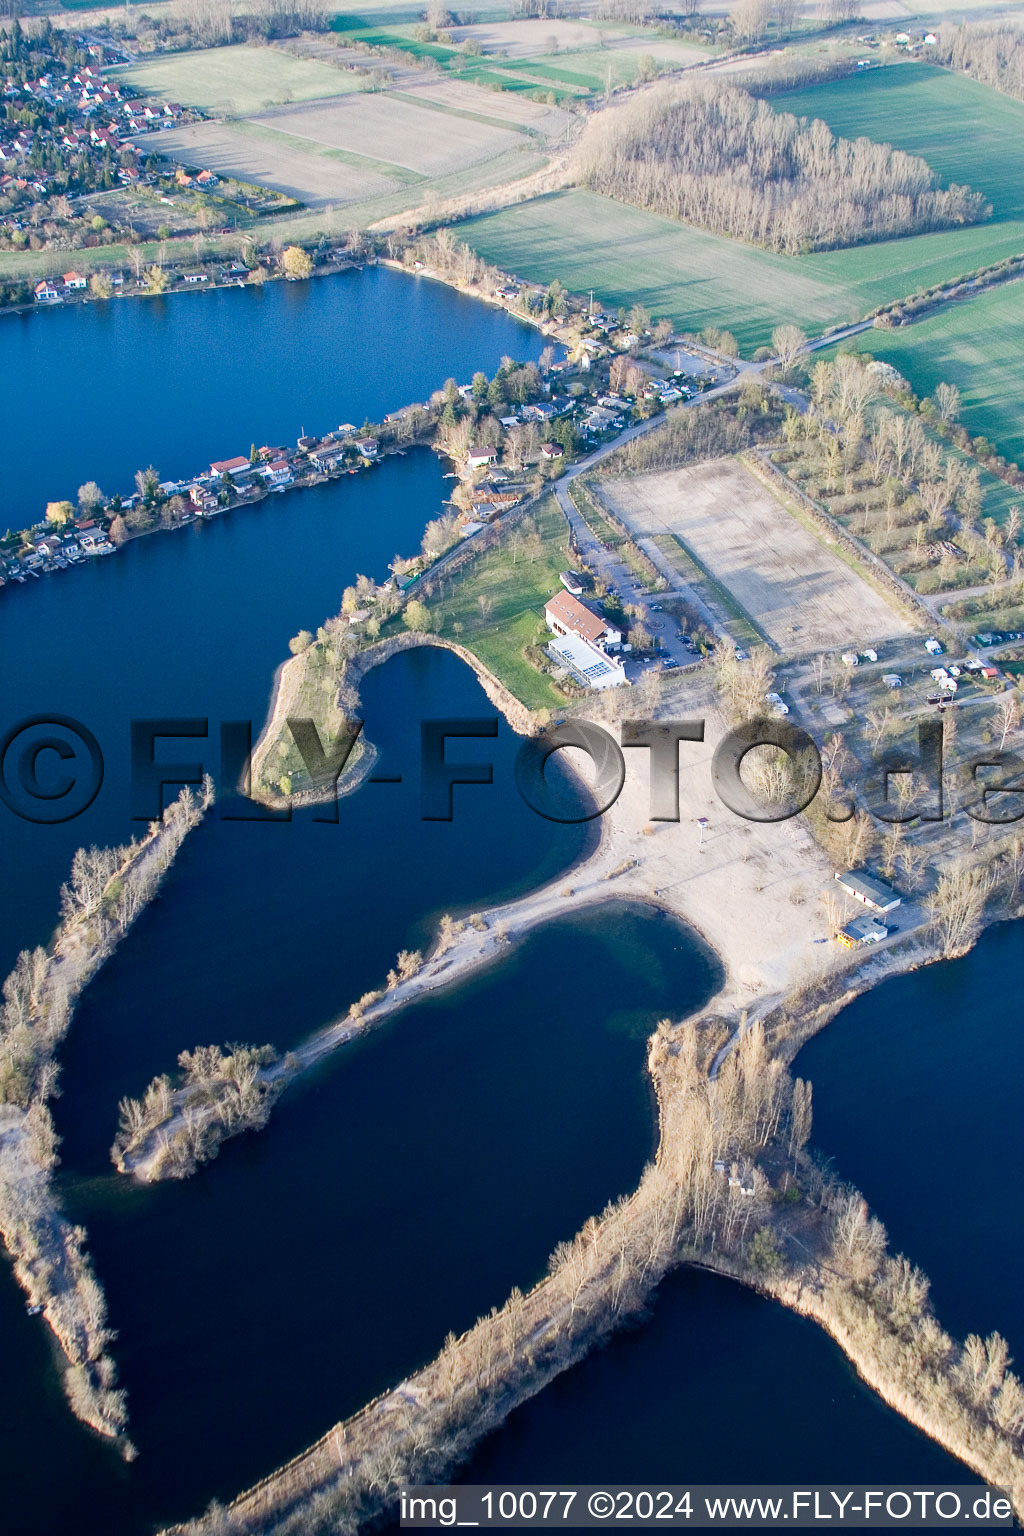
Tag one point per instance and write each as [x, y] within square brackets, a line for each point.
[95, 392]
[917, 1098]
[410, 1184]
[191, 623]
[399, 1193]
[720, 1386]
[273, 929]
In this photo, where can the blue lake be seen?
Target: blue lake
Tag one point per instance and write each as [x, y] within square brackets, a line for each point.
[419, 1175]
[97, 391]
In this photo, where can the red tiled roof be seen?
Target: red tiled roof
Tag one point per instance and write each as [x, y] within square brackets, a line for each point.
[576, 618]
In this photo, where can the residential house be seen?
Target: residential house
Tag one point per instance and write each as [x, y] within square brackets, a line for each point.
[74, 281]
[327, 456]
[369, 447]
[278, 472]
[862, 930]
[93, 541]
[566, 615]
[598, 419]
[202, 498]
[46, 292]
[236, 466]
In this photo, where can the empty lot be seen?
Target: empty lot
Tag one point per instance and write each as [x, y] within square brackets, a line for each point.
[800, 594]
[400, 132]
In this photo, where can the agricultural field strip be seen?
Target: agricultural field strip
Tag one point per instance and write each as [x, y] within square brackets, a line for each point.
[792, 588]
[259, 128]
[513, 165]
[500, 107]
[236, 78]
[393, 131]
[284, 165]
[513, 125]
[699, 279]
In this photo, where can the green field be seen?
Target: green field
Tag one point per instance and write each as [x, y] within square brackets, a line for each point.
[976, 345]
[518, 587]
[479, 69]
[696, 279]
[970, 134]
[568, 72]
[237, 79]
[966, 132]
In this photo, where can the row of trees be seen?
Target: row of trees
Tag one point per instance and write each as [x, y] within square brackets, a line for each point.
[993, 53]
[913, 495]
[106, 891]
[733, 1188]
[716, 157]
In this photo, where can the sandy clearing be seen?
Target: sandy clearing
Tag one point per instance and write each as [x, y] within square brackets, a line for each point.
[463, 96]
[396, 131]
[799, 593]
[313, 179]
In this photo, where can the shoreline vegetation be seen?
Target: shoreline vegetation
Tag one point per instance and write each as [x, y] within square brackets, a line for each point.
[732, 1189]
[223, 1092]
[175, 1128]
[107, 891]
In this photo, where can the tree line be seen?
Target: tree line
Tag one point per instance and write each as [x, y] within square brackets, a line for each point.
[991, 53]
[716, 157]
[733, 1188]
[107, 890]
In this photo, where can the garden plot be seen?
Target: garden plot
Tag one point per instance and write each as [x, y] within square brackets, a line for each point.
[385, 129]
[796, 591]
